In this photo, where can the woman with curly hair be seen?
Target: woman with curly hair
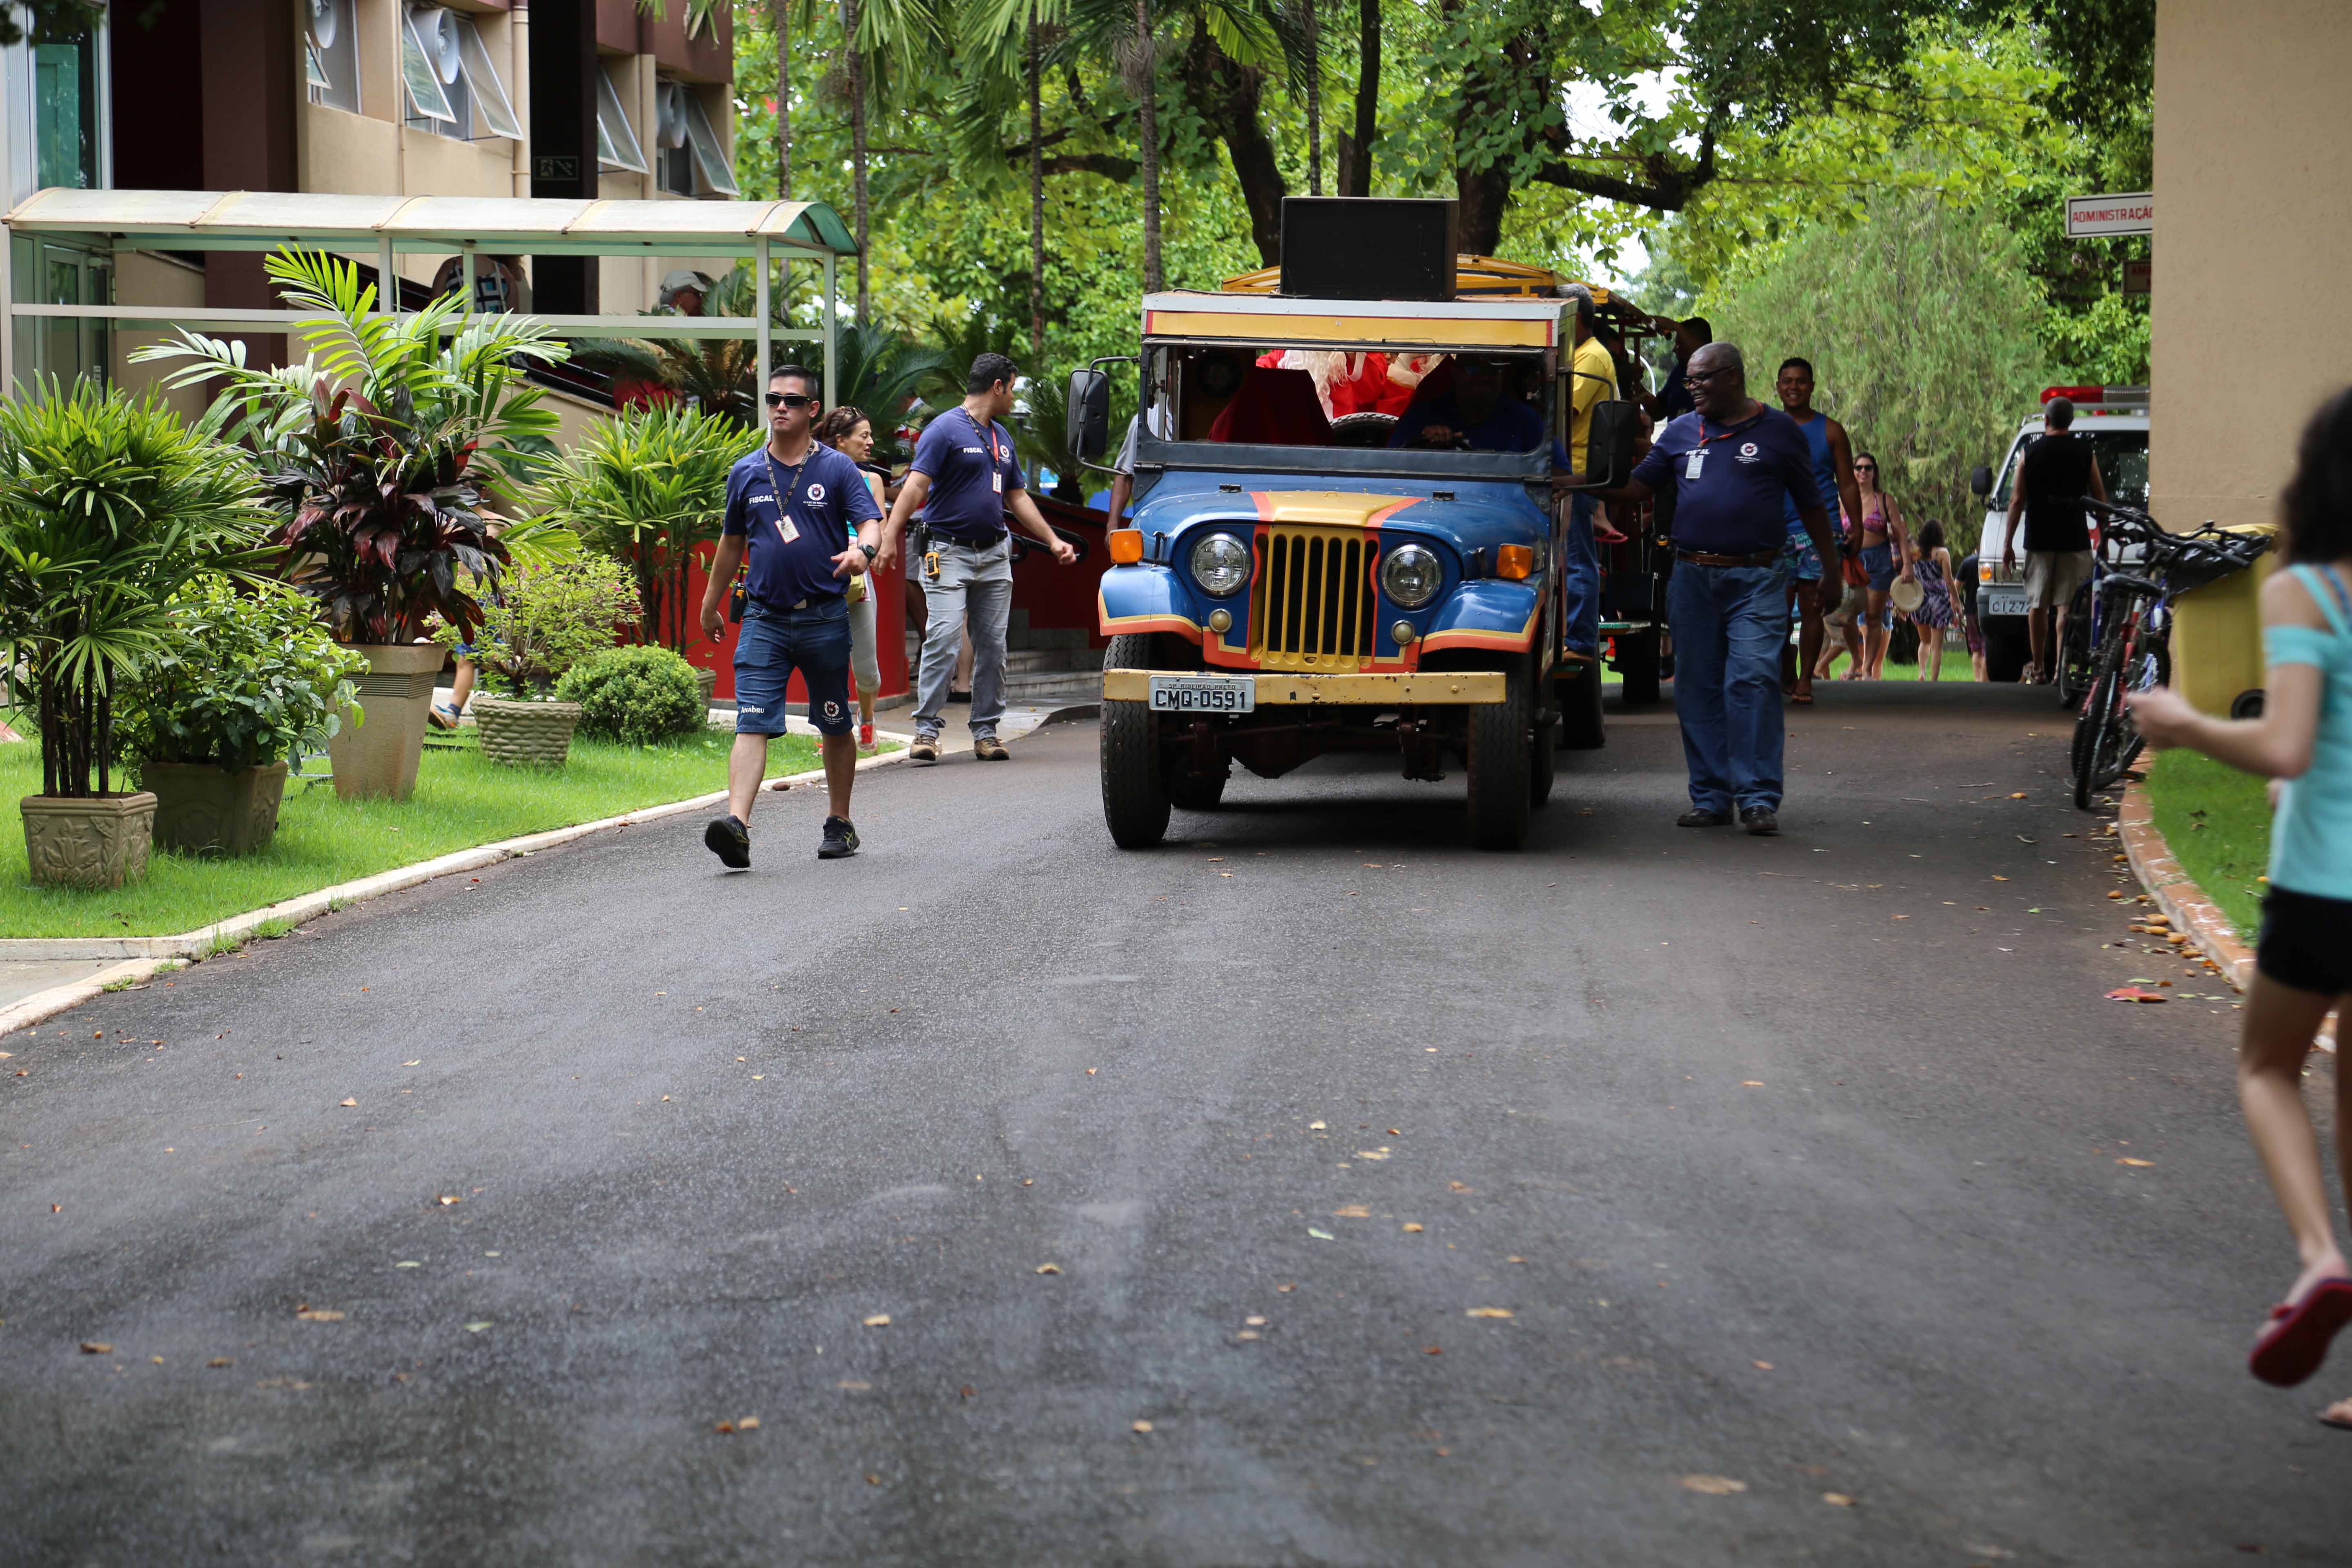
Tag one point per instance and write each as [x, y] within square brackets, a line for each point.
[2303, 960]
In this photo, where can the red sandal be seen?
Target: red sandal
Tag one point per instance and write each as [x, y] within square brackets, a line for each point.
[2295, 1341]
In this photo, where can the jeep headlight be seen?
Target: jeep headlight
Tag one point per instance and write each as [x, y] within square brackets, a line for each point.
[1221, 564]
[1411, 576]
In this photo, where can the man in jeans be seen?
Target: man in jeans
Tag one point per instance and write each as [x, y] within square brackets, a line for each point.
[1729, 463]
[2056, 472]
[786, 505]
[1594, 382]
[965, 480]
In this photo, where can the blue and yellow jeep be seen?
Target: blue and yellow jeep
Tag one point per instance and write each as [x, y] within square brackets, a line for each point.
[1295, 584]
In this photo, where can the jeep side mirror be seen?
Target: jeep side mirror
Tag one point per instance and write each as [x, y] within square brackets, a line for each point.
[1087, 427]
[1981, 481]
[1609, 443]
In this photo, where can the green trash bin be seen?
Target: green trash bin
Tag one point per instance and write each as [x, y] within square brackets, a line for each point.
[2217, 638]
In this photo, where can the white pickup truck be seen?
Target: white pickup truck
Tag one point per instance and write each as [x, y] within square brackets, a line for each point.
[2114, 420]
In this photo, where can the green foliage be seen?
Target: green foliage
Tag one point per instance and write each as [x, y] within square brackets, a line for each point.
[881, 373]
[549, 618]
[647, 489]
[1920, 324]
[713, 375]
[251, 677]
[636, 696]
[380, 443]
[108, 506]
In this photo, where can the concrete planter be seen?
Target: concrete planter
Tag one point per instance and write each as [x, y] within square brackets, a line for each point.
[708, 680]
[525, 734]
[208, 810]
[378, 757]
[101, 842]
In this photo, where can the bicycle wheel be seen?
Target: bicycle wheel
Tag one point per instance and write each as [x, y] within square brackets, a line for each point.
[2116, 622]
[2097, 726]
[2150, 667]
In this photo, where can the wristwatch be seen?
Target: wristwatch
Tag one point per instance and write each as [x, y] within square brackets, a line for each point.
[871, 549]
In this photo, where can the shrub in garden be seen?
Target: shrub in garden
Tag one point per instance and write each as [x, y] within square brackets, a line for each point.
[636, 695]
[548, 618]
[251, 677]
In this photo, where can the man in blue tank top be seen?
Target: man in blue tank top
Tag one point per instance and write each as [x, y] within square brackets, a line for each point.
[1832, 460]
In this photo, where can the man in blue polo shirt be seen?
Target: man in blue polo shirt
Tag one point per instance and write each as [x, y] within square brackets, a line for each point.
[966, 482]
[1729, 463]
[787, 504]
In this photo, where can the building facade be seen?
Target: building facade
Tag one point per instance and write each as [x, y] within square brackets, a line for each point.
[473, 98]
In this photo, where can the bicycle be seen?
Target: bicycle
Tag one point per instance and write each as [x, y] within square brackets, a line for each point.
[2135, 633]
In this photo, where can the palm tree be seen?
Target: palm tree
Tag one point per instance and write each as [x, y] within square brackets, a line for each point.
[1312, 31]
[1146, 102]
[714, 374]
[881, 372]
[1037, 201]
[780, 18]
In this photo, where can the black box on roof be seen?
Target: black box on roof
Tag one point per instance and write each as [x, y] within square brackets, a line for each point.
[1369, 247]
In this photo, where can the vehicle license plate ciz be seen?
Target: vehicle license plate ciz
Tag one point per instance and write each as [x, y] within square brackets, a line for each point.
[1203, 694]
[2002, 598]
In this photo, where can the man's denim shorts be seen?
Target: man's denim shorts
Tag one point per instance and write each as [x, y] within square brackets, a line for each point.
[774, 643]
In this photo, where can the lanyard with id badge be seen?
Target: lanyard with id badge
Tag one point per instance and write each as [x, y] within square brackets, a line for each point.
[995, 483]
[786, 530]
[1694, 461]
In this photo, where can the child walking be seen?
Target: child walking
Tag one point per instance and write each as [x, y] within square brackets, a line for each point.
[2303, 960]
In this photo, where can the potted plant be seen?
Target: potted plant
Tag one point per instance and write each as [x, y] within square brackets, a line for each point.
[379, 451]
[109, 505]
[253, 682]
[649, 489]
[546, 619]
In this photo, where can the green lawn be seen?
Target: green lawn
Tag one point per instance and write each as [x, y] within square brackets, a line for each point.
[2218, 822]
[460, 801]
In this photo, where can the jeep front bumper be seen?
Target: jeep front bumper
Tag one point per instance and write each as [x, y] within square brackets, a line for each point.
[1440, 688]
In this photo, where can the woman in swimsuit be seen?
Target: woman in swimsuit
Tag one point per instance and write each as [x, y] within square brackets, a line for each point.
[1885, 552]
[1936, 612]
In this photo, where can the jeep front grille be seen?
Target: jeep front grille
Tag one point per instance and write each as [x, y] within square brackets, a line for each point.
[1313, 605]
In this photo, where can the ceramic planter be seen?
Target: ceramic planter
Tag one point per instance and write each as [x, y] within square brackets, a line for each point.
[208, 810]
[525, 734]
[101, 842]
[379, 756]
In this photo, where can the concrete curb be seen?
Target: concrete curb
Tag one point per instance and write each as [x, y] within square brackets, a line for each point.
[143, 955]
[2192, 913]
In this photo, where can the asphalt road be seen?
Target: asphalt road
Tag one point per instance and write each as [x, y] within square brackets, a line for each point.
[1783, 1172]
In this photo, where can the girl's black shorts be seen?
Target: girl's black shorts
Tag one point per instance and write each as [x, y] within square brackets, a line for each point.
[2306, 942]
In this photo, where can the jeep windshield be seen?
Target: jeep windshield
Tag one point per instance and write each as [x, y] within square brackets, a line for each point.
[1268, 408]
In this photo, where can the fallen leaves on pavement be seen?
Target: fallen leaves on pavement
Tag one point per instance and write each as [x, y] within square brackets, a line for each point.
[1487, 1312]
[2132, 993]
[1713, 1486]
[878, 1321]
[1049, 1268]
[96, 1347]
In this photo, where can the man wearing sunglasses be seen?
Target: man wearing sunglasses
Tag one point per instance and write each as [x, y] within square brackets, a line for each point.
[787, 503]
[966, 482]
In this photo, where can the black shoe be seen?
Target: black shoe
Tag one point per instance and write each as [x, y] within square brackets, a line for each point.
[1760, 820]
[728, 838]
[840, 840]
[1695, 819]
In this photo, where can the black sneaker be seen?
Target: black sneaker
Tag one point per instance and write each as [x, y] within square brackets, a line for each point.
[728, 838]
[1760, 820]
[1698, 817]
[840, 840]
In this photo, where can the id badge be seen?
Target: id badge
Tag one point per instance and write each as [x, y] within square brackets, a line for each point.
[1691, 464]
[996, 481]
[787, 529]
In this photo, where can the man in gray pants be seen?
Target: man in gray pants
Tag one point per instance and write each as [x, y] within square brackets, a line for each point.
[966, 482]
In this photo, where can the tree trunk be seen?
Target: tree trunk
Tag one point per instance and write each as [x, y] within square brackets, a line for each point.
[1225, 96]
[1484, 192]
[1036, 206]
[781, 21]
[855, 70]
[1148, 107]
[1314, 100]
[1358, 154]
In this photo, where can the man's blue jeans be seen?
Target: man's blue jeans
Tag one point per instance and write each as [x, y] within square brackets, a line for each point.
[1729, 622]
[1580, 575]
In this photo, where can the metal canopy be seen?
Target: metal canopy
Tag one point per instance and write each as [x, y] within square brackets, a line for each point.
[386, 225]
[233, 220]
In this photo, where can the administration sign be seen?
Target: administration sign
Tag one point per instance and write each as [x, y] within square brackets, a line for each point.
[2134, 212]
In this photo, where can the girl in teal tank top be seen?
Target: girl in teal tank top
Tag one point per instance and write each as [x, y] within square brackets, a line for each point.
[2302, 960]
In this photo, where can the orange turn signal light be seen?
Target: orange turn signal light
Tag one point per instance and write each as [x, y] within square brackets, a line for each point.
[1126, 545]
[1515, 561]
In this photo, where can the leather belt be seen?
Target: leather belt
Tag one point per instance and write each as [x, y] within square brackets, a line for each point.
[1702, 558]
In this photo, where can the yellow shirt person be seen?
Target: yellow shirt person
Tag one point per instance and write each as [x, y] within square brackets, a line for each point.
[1595, 381]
